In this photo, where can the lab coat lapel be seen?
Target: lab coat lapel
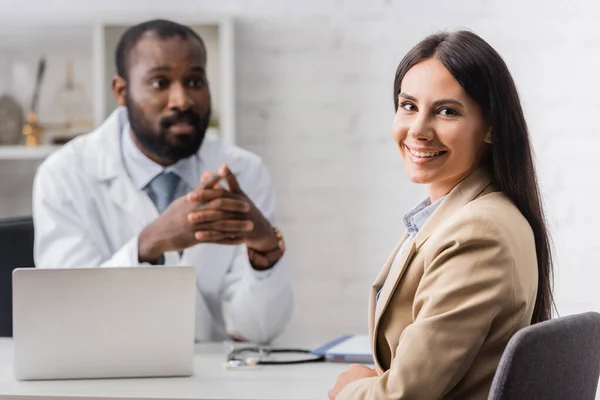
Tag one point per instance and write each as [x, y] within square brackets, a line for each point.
[107, 166]
[133, 201]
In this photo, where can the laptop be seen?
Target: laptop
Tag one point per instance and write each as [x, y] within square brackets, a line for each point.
[103, 322]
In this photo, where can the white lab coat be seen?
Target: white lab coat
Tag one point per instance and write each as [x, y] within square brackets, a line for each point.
[88, 213]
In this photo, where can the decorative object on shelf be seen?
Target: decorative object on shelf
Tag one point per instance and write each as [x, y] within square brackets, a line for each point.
[11, 120]
[71, 97]
[32, 130]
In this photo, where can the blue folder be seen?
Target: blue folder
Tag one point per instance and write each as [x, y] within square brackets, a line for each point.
[348, 349]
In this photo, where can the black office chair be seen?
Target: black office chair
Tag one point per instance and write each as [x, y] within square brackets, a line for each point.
[553, 360]
[16, 250]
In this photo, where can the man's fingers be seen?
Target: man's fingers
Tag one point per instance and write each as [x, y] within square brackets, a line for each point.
[232, 182]
[228, 204]
[205, 215]
[232, 241]
[230, 226]
[214, 236]
[205, 176]
[208, 180]
[203, 196]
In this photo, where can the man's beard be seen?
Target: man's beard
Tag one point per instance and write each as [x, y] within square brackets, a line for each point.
[157, 143]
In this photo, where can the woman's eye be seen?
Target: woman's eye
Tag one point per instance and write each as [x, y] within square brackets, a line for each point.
[408, 106]
[447, 112]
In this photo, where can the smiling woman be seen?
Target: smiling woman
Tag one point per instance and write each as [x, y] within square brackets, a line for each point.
[441, 132]
[474, 265]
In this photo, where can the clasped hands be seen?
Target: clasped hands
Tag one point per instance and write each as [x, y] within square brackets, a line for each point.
[208, 214]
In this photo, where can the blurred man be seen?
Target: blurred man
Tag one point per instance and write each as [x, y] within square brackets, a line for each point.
[151, 187]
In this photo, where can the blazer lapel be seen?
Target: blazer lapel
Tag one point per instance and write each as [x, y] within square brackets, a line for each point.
[376, 288]
[385, 270]
[471, 187]
[474, 185]
[395, 275]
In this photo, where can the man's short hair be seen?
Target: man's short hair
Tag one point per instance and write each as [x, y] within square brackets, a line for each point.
[162, 28]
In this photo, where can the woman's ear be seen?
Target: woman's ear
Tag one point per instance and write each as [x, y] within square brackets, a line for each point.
[488, 137]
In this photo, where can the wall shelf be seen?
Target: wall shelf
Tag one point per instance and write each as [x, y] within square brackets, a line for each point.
[20, 152]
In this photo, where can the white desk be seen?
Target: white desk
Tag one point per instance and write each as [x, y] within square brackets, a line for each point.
[210, 381]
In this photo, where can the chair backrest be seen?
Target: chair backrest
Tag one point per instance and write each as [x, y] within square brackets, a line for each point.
[557, 359]
[16, 250]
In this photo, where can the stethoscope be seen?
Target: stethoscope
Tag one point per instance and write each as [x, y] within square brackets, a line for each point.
[235, 358]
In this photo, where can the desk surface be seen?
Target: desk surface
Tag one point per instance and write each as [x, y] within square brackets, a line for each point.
[210, 381]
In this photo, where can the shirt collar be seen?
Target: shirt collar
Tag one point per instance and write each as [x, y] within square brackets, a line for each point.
[142, 170]
[188, 170]
[416, 218]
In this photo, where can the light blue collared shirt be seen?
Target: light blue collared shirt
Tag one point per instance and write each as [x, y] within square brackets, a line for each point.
[143, 170]
[414, 221]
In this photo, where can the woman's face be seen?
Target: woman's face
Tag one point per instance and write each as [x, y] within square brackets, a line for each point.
[439, 129]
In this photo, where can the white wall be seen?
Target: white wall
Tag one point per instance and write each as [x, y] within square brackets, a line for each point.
[314, 84]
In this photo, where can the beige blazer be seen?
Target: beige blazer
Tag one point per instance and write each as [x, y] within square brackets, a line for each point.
[453, 299]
